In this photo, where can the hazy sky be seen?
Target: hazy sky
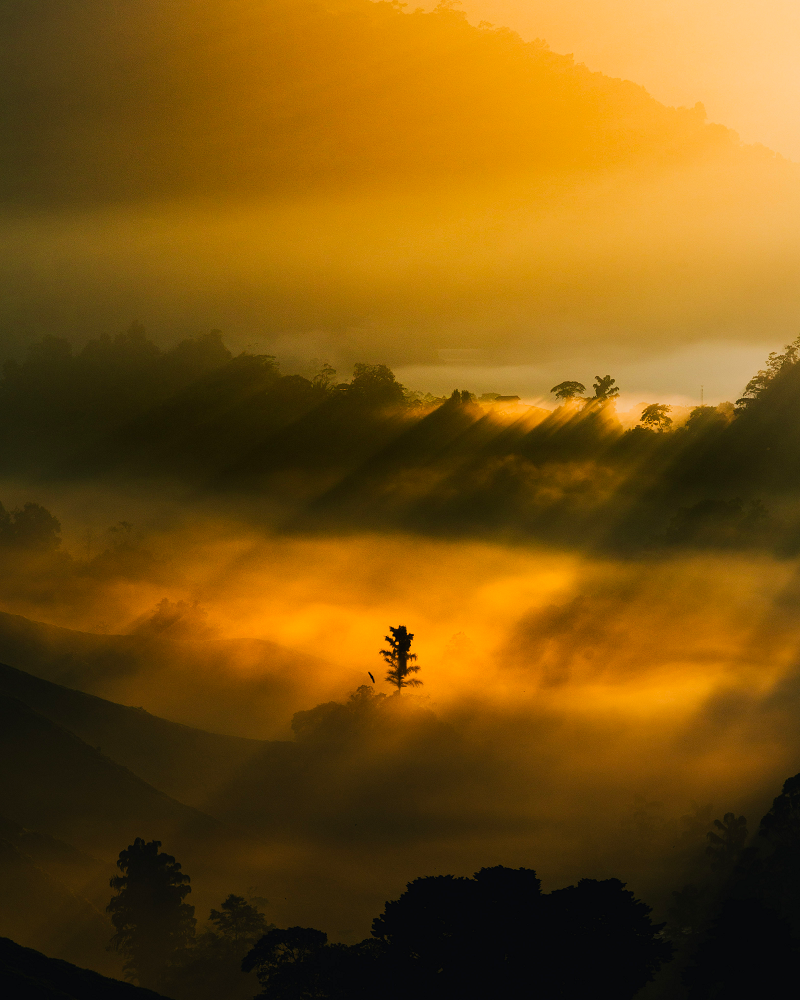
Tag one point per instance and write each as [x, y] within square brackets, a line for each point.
[435, 194]
[740, 58]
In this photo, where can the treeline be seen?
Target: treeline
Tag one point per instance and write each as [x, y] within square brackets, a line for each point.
[367, 452]
[495, 934]
[124, 403]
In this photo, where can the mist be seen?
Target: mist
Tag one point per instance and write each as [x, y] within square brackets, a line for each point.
[305, 309]
[558, 687]
[619, 222]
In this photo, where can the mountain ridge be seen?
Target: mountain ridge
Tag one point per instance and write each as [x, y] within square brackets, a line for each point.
[251, 687]
[345, 86]
[180, 760]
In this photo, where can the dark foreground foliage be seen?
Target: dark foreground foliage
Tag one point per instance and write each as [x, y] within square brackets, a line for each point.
[495, 934]
[498, 934]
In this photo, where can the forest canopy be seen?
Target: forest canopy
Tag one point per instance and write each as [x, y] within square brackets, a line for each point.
[327, 452]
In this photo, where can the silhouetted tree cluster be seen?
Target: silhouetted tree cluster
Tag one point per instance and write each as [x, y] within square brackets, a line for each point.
[777, 365]
[749, 951]
[155, 930]
[212, 968]
[495, 934]
[369, 453]
[194, 408]
[736, 934]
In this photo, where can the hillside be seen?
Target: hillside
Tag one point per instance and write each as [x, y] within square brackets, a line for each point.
[73, 868]
[250, 687]
[277, 96]
[182, 761]
[55, 783]
[350, 181]
[40, 911]
[28, 974]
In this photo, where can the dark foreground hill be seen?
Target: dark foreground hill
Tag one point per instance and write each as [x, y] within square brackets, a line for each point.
[28, 975]
[248, 686]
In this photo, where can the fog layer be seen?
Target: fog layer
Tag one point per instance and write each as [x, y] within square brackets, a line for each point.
[428, 186]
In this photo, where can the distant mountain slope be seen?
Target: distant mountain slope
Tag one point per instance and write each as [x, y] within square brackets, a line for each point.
[386, 183]
[179, 760]
[250, 687]
[74, 868]
[253, 96]
[42, 912]
[28, 975]
[55, 783]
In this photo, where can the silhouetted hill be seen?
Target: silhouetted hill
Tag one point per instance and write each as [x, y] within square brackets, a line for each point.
[63, 861]
[176, 759]
[240, 95]
[55, 783]
[249, 686]
[29, 975]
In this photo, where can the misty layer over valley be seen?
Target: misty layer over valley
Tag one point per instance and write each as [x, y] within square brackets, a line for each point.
[605, 620]
[316, 683]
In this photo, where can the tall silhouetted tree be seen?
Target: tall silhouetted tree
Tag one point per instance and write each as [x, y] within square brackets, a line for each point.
[400, 660]
[153, 924]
